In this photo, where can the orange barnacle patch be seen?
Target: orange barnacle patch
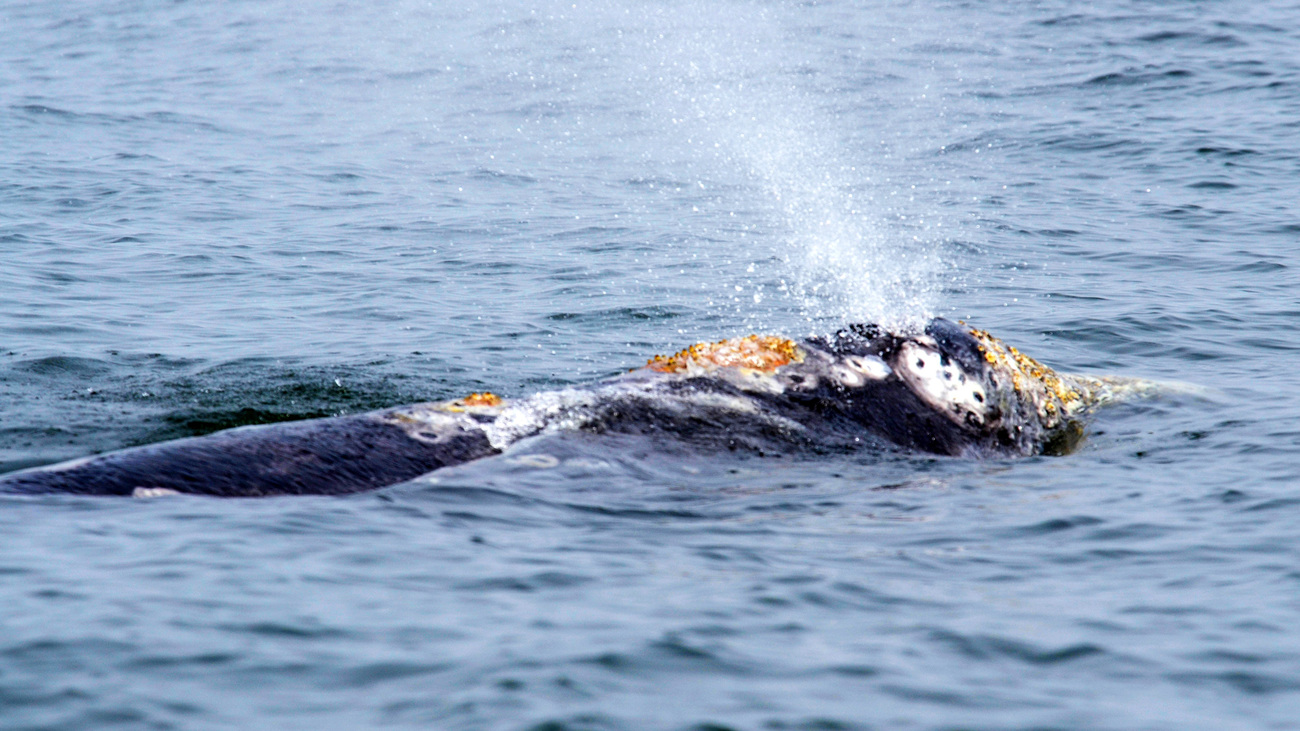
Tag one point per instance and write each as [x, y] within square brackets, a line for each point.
[487, 398]
[1025, 370]
[756, 352]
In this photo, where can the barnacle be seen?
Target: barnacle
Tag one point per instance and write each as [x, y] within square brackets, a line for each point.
[763, 353]
[486, 398]
[1028, 375]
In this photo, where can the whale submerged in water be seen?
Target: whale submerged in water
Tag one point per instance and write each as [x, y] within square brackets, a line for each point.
[949, 390]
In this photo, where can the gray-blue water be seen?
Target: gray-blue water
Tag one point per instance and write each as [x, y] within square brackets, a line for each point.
[215, 214]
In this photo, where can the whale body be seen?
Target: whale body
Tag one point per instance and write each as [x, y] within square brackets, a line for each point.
[949, 390]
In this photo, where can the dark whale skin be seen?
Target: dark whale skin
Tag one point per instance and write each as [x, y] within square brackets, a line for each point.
[331, 456]
[887, 407]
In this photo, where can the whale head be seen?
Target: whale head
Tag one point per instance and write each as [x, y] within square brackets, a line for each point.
[949, 389]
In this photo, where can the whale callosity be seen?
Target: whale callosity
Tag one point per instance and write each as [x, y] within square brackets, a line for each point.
[764, 353]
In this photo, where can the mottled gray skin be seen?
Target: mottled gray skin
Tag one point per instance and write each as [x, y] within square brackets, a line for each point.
[318, 456]
[936, 392]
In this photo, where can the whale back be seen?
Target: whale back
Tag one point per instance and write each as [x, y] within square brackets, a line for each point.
[949, 390]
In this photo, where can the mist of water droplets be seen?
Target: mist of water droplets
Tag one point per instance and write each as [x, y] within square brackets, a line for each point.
[736, 87]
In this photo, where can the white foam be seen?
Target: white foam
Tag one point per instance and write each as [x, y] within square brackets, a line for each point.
[152, 492]
[568, 409]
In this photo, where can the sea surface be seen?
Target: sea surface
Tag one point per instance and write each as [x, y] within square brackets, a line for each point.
[226, 213]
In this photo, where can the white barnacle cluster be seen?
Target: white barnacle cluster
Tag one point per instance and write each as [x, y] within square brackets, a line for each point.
[942, 382]
[850, 371]
[567, 409]
[856, 370]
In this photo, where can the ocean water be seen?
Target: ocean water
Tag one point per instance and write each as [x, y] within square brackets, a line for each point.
[215, 214]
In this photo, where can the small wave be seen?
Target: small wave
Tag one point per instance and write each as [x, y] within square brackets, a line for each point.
[1226, 40]
[1136, 77]
[64, 366]
[620, 314]
[43, 109]
[531, 583]
[1212, 185]
[1053, 525]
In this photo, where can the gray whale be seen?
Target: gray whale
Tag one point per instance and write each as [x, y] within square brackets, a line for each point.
[949, 390]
